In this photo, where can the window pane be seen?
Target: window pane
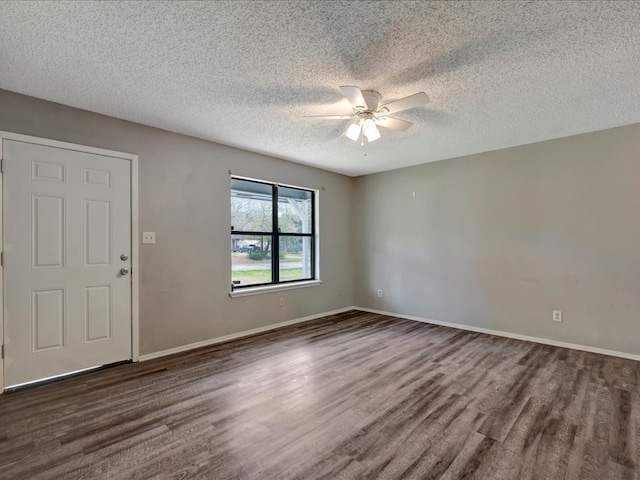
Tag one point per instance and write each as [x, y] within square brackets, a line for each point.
[251, 259]
[295, 258]
[251, 206]
[294, 210]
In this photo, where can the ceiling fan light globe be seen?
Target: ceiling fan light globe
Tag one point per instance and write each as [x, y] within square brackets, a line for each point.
[371, 131]
[353, 132]
[373, 135]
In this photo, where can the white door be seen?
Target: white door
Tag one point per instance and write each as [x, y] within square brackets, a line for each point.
[67, 235]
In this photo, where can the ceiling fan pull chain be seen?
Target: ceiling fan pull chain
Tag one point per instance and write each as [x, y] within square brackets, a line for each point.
[363, 144]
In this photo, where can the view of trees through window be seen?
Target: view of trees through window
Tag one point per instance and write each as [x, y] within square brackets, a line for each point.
[272, 233]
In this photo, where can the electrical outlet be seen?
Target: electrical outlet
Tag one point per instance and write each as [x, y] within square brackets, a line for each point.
[282, 302]
[379, 293]
[149, 238]
[557, 315]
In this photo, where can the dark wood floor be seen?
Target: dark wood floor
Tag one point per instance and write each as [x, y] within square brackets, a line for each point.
[354, 396]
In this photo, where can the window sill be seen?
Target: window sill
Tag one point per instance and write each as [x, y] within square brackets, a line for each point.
[244, 292]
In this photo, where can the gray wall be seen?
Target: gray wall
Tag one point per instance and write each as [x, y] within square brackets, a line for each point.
[499, 240]
[184, 197]
[496, 240]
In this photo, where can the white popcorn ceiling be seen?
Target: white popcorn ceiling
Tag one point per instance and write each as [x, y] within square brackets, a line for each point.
[499, 73]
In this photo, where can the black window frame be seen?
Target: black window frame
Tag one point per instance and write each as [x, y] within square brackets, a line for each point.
[276, 234]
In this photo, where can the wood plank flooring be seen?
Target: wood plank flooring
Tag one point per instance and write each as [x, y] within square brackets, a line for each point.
[352, 396]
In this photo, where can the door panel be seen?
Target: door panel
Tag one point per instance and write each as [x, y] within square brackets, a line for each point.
[47, 230]
[97, 233]
[97, 313]
[67, 220]
[47, 319]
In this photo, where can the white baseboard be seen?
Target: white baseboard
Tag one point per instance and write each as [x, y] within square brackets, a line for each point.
[246, 333]
[516, 336]
[459, 326]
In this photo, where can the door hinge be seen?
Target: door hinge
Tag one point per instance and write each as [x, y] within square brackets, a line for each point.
[1, 165]
[2, 352]
[1, 259]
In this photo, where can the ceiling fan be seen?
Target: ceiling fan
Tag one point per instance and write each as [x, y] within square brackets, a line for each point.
[368, 114]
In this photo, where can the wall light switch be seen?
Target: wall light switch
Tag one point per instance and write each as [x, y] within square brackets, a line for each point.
[148, 237]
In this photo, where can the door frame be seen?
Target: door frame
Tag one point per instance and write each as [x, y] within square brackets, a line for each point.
[135, 234]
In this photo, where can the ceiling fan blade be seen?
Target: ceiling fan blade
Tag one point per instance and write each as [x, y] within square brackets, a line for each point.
[392, 123]
[329, 117]
[355, 97]
[415, 100]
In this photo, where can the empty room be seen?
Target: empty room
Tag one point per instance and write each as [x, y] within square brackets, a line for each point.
[300, 240]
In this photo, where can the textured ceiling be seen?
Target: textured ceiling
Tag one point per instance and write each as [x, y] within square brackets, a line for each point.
[499, 73]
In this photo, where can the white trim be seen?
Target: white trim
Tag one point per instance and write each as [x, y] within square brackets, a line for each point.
[515, 336]
[66, 145]
[316, 216]
[135, 234]
[246, 333]
[135, 263]
[244, 292]
[2, 267]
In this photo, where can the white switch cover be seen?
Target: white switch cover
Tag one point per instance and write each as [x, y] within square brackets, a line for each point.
[149, 237]
[557, 315]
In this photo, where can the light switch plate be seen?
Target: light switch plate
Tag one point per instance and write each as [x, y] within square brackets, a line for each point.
[148, 237]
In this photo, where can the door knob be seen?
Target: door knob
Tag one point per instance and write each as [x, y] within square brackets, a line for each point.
[124, 257]
[124, 271]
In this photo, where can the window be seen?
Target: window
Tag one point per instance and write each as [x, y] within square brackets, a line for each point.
[272, 234]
